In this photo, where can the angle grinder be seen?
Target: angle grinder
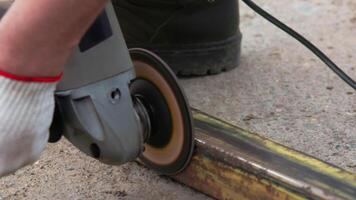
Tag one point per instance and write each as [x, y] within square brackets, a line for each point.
[118, 105]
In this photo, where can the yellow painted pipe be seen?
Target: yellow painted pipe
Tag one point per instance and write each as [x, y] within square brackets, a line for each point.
[231, 163]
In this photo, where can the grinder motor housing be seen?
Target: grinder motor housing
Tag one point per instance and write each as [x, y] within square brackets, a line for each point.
[94, 98]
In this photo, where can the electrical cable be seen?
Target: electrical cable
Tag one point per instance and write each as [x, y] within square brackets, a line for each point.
[302, 40]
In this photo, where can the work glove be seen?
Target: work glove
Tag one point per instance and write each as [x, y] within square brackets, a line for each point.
[26, 112]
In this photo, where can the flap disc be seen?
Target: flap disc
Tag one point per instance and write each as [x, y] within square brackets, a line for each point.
[169, 145]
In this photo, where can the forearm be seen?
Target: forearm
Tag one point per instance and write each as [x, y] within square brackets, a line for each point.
[38, 36]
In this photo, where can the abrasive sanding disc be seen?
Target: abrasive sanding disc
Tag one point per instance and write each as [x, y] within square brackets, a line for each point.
[170, 146]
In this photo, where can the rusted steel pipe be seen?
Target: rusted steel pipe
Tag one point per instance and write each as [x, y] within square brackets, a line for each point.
[231, 163]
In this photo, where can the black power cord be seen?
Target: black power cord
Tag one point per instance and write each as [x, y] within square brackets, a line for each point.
[302, 40]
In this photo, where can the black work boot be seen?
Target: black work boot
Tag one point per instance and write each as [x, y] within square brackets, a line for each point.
[195, 37]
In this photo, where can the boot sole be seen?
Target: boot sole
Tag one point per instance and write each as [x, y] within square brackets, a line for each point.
[200, 59]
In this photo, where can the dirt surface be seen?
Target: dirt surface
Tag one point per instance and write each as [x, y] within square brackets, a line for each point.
[280, 90]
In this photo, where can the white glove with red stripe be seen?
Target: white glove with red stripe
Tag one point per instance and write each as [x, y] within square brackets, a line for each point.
[26, 111]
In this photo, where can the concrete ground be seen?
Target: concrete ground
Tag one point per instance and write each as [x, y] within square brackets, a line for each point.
[280, 90]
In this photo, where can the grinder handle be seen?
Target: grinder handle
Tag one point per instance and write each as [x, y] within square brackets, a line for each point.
[57, 127]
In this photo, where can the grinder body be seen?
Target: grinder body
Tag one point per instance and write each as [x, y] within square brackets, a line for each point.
[94, 99]
[117, 106]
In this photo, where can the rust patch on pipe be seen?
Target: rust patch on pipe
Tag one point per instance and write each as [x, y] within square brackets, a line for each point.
[224, 182]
